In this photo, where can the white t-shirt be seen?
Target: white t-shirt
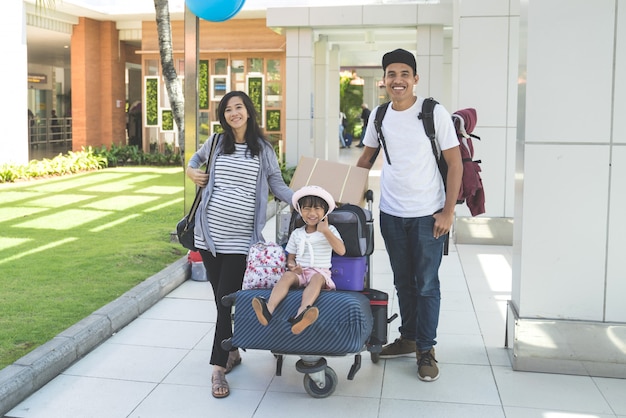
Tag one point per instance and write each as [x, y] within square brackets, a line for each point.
[412, 185]
[311, 250]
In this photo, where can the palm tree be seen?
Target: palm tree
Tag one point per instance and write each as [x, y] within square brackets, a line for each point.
[172, 82]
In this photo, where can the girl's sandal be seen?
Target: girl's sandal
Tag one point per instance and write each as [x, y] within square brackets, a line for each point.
[302, 321]
[219, 385]
[234, 359]
[259, 305]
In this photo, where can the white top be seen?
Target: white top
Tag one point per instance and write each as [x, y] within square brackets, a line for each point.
[412, 185]
[311, 250]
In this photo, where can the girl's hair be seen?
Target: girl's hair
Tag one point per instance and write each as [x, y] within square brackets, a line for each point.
[313, 201]
[253, 130]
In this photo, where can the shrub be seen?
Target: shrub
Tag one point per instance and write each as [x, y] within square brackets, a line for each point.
[87, 160]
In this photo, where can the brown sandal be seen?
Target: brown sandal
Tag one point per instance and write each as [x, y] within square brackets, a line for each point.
[302, 321]
[234, 359]
[219, 384]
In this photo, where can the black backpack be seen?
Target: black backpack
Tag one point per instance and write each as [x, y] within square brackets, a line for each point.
[427, 117]
[355, 225]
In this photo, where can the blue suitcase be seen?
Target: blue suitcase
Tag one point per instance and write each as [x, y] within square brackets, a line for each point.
[344, 325]
[348, 323]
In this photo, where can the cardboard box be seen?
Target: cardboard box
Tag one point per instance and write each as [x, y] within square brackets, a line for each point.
[346, 183]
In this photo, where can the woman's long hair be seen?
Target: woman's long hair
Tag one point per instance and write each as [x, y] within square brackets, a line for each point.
[253, 130]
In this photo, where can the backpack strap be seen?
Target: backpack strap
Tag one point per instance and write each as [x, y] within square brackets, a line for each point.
[427, 115]
[428, 119]
[378, 124]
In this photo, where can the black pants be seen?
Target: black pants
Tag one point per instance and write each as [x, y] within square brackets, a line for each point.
[225, 273]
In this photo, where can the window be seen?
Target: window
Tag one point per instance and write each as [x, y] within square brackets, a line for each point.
[255, 65]
[220, 66]
[219, 86]
[274, 86]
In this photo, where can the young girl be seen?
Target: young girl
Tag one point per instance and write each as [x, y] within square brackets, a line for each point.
[308, 261]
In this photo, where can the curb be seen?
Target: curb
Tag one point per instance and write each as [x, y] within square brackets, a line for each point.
[31, 372]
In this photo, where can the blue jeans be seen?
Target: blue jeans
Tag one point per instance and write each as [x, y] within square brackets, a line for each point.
[342, 139]
[415, 256]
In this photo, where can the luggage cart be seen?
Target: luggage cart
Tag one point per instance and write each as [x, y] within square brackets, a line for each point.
[366, 310]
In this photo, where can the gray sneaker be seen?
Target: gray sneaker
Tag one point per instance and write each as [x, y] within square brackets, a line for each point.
[427, 369]
[399, 348]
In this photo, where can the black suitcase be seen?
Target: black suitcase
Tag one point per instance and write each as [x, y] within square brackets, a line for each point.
[355, 225]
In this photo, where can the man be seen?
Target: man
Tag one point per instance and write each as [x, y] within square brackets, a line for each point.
[416, 213]
[343, 122]
[365, 116]
[54, 125]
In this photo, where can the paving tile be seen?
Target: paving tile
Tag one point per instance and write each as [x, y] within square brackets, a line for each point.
[76, 396]
[168, 401]
[393, 408]
[461, 383]
[162, 333]
[550, 391]
[128, 362]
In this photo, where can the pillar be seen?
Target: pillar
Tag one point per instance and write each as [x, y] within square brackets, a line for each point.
[429, 57]
[98, 85]
[484, 76]
[322, 100]
[15, 142]
[331, 135]
[566, 313]
[300, 111]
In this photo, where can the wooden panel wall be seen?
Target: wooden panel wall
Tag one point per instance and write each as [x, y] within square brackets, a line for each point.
[230, 36]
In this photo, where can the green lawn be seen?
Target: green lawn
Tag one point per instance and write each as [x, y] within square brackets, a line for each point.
[72, 244]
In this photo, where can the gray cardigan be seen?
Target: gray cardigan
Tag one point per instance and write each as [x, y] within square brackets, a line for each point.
[270, 178]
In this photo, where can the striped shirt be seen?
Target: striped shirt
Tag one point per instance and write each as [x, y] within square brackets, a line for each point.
[231, 209]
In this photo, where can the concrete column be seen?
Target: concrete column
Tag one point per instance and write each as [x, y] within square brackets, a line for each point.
[370, 88]
[567, 313]
[14, 145]
[484, 76]
[429, 57]
[332, 111]
[322, 101]
[300, 109]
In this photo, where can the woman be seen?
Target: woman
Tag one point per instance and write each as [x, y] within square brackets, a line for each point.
[231, 215]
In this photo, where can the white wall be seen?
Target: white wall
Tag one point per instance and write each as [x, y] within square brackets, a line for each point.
[14, 106]
[300, 101]
[570, 231]
[484, 52]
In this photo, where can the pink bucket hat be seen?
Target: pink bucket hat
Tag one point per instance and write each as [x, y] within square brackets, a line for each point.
[313, 191]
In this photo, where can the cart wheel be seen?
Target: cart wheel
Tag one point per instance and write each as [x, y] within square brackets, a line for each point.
[316, 392]
[375, 357]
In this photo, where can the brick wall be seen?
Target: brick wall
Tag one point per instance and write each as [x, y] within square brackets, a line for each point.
[98, 85]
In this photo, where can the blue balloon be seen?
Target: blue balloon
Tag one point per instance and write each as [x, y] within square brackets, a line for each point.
[215, 10]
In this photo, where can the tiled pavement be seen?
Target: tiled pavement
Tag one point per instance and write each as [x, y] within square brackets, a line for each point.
[157, 366]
